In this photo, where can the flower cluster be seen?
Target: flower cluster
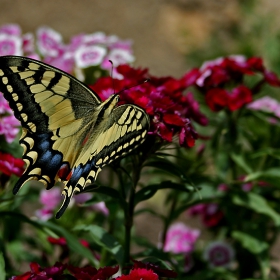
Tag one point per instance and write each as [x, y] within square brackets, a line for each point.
[84, 50]
[61, 271]
[223, 81]
[9, 128]
[171, 111]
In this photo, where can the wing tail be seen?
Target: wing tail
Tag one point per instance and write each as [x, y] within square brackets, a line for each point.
[79, 177]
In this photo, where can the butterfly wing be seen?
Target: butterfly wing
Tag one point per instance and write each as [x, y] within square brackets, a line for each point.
[53, 107]
[64, 134]
[123, 131]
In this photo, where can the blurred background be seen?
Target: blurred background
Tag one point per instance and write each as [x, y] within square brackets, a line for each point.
[169, 37]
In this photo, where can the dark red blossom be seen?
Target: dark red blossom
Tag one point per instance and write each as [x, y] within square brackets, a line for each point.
[210, 213]
[218, 98]
[57, 241]
[37, 273]
[222, 81]
[90, 273]
[62, 242]
[161, 272]
[139, 274]
[10, 165]
[170, 110]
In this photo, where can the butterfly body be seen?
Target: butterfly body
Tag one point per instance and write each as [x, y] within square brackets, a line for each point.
[68, 134]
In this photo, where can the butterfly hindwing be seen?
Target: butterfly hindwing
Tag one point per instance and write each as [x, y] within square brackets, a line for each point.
[125, 130]
[68, 133]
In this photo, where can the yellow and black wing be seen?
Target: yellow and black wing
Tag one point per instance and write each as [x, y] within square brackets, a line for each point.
[68, 134]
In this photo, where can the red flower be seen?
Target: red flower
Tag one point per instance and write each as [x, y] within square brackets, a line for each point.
[171, 112]
[161, 272]
[218, 98]
[90, 273]
[38, 273]
[139, 273]
[10, 165]
[222, 81]
[210, 213]
[57, 241]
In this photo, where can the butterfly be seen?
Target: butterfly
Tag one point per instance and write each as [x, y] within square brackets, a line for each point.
[68, 133]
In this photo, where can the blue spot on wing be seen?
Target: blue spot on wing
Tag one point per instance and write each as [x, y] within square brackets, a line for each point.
[48, 160]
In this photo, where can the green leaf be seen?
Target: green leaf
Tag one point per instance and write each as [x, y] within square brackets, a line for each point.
[149, 191]
[258, 204]
[72, 241]
[167, 166]
[2, 267]
[240, 161]
[105, 240]
[272, 175]
[275, 153]
[249, 242]
[113, 193]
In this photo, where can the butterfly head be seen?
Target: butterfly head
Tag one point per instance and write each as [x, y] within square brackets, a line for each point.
[109, 104]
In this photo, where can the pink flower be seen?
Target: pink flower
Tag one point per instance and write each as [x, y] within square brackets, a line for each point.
[266, 104]
[118, 56]
[180, 239]
[49, 41]
[101, 208]
[81, 198]
[98, 207]
[44, 214]
[9, 127]
[4, 106]
[10, 44]
[28, 44]
[219, 253]
[65, 61]
[50, 200]
[11, 29]
[87, 56]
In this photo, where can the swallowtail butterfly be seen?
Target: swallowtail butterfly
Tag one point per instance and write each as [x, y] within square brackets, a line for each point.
[68, 134]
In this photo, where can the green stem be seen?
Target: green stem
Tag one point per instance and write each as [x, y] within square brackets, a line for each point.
[232, 142]
[130, 210]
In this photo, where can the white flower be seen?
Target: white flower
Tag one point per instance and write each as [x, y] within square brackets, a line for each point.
[49, 41]
[89, 56]
[10, 45]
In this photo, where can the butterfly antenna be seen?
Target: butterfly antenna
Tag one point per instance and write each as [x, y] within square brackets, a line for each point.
[113, 82]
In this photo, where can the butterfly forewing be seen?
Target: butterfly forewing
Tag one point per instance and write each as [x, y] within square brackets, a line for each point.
[65, 125]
